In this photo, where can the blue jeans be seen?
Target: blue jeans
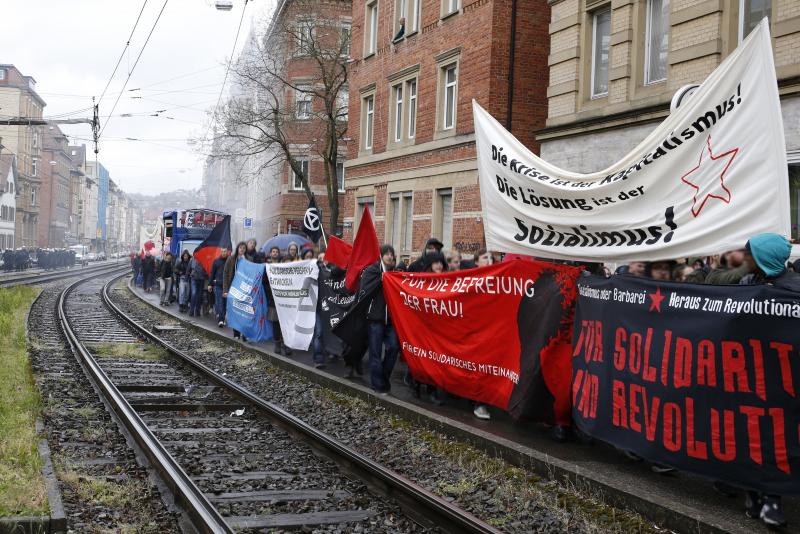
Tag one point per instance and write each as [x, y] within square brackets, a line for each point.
[382, 362]
[319, 354]
[219, 304]
[197, 296]
[184, 290]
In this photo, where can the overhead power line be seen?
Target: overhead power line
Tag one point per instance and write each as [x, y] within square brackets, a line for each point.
[127, 45]
[134, 66]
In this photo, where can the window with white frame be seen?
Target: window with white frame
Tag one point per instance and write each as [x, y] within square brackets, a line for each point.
[368, 112]
[412, 108]
[397, 92]
[361, 203]
[403, 108]
[2, 74]
[449, 95]
[450, 6]
[33, 196]
[305, 36]
[303, 102]
[371, 28]
[340, 175]
[444, 216]
[412, 21]
[343, 104]
[400, 19]
[34, 167]
[297, 180]
[750, 14]
[601, 42]
[347, 30]
[394, 206]
[408, 220]
[656, 41]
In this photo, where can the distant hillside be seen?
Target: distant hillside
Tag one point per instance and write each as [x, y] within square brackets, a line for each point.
[153, 205]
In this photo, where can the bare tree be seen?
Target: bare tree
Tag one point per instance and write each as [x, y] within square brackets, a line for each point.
[289, 97]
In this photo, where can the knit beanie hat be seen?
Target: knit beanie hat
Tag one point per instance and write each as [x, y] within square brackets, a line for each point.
[770, 252]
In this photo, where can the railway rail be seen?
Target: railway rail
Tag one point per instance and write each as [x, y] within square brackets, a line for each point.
[232, 460]
[42, 277]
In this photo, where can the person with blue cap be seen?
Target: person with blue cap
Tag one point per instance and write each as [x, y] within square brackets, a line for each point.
[766, 256]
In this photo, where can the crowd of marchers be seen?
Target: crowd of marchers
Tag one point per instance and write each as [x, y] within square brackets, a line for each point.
[22, 259]
[764, 259]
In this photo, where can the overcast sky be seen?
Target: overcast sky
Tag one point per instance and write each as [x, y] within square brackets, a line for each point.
[71, 46]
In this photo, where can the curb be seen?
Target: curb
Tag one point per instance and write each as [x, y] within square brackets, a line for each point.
[56, 521]
[670, 515]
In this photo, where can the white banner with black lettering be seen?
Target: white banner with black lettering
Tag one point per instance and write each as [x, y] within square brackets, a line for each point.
[709, 177]
[294, 288]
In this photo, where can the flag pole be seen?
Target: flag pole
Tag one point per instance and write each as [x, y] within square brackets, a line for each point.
[321, 226]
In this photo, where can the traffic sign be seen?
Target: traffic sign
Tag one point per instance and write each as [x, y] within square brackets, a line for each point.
[248, 222]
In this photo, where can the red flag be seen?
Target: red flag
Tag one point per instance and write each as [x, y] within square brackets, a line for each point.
[366, 251]
[211, 247]
[338, 252]
[452, 340]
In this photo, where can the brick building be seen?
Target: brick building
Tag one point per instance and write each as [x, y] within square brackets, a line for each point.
[54, 211]
[419, 64]
[18, 98]
[297, 25]
[615, 65]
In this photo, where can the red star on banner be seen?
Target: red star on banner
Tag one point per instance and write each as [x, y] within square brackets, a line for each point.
[656, 299]
[713, 189]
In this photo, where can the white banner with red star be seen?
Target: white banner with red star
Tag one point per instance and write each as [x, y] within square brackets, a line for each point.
[708, 178]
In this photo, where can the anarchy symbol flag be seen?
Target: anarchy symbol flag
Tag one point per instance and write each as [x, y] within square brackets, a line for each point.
[312, 221]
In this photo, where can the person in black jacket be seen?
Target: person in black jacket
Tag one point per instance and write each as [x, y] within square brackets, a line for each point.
[215, 285]
[765, 258]
[148, 271]
[433, 245]
[383, 343]
[165, 273]
[184, 280]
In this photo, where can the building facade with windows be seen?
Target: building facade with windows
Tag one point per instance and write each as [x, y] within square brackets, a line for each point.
[18, 98]
[8, 200]
[54, 211]
[300, 29]
[418, 64]
[616, 64]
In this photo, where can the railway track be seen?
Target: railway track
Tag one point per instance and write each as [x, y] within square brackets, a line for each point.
[231, 460]
[52, 276]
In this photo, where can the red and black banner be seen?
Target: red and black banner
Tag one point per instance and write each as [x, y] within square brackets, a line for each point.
[702, 378]
[500, 335]
[211, 247]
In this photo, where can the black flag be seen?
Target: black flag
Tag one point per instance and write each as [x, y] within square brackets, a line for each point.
[312, 221]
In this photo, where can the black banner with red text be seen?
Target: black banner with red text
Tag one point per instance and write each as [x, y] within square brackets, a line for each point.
[499, 334]
[702, 378]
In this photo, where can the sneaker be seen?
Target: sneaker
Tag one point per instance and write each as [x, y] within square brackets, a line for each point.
[481, 412]
[319, 366]
[220, 324]
[772, 511]
[287, 351]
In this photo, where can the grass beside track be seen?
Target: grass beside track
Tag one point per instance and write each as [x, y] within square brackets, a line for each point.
[22, 488]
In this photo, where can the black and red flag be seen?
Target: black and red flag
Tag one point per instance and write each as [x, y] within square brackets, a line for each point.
[211, 247]
[499, 335]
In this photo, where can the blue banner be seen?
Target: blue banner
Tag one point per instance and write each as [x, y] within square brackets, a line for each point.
[247, 304]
